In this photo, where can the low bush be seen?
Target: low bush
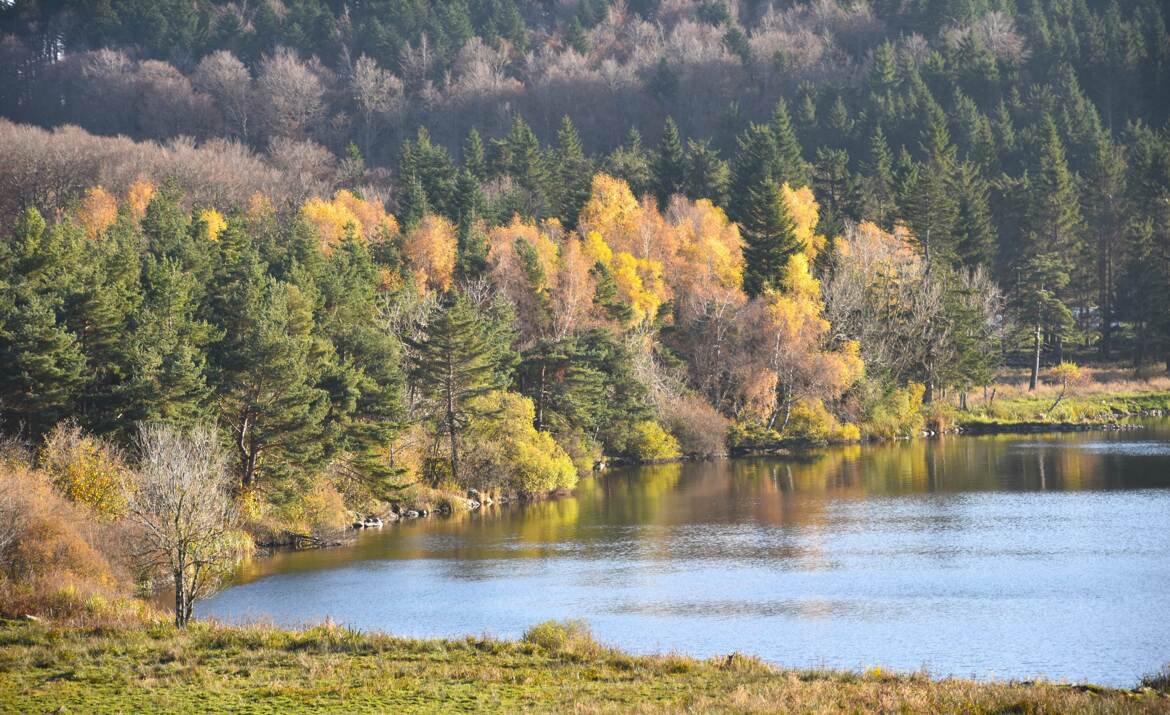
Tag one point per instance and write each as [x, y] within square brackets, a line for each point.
[563, 637]
[698, 427]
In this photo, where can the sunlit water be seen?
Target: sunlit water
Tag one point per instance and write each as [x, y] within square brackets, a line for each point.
[993, 557]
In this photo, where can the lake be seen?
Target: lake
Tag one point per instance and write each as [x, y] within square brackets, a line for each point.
[990, 557]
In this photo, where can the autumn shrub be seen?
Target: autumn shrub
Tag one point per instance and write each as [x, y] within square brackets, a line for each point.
[696, 425]
[320, 508]
[646, 441]
[896, 413]
[811, 421]
[51, 550]
[563, 637]
[503, 448]
[581, 448]
[1159, 680]
[85, 469]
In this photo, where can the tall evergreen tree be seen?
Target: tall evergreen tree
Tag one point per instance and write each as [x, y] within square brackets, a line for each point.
[572, 172]
[669, 166]
[975, 241]
[769, 238]
[453, 363]
[707, 175]
[793, 169]
[756, 163]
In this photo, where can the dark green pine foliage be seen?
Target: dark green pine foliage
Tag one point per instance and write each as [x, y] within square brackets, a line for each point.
[414, 205]
[473, 156]
[572, 173]
[630, 164]
[669, 166]
[880, 186]
[98, 311]
[43, 363]
[756, 163]
[266, 369]
[166, 379]
[1104, 199]
[793, 169]
[454, 362]
[707, 175]
[975, 240]
[1051, 221]
[769, 238]
[364, 379]
[519, 156]
[926, 194]
[431, 165]
[836, 190]
[471, 246]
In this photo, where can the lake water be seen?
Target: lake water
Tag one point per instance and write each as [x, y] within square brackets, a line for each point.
[993, 557]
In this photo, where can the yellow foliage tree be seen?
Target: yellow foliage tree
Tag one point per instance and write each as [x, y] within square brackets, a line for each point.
[793, 345]
[213, 224]
[429, 249]
[331, 219]
[85, 469]
[138, 197]
[503, 445]
[805, 212]
[97, 212]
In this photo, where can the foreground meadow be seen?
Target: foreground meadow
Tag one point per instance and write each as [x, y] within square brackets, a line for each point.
[555, 668]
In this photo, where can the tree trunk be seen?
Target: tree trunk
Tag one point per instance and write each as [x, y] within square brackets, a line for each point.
[1035, 362]
[180, 600]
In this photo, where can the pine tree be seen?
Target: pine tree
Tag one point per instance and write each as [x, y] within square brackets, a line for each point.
[974, 235]
[43, 363]
[835, 189]
[707, 176]
[265, 368]
[166, 378]
[881, 188]
[473, 158]
[793, 169]
[630, 164]
[414, 204]
[756, 163]
[573, 173]
[520, 157]
[926, 195]
[769, 238]
[431, 165]
[669, 166]
[453, 363]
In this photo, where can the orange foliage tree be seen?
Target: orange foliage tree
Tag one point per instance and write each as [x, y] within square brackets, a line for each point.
[97, 212]
[429, 250]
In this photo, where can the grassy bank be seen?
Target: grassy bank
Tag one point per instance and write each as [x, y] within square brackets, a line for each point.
[1105, 395]
[555, 668]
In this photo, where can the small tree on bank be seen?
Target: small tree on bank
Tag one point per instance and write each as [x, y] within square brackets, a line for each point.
[181, 499]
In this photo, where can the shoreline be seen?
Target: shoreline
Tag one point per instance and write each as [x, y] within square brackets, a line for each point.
[210, 667]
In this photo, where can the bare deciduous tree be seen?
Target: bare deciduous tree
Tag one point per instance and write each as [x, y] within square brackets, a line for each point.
[292, 94]
[180, 497]
[222, 76]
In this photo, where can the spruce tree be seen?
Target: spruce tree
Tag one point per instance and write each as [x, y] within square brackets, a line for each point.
[630, 164]
[881, 189]
[473, 157]
[707, 176]
[453, 363]
[769, 238]
[975, 241]
[573, 173]
[756, 163]
[793, 169]
[669, 166]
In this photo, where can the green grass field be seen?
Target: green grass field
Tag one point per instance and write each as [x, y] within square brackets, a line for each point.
[556, 668]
